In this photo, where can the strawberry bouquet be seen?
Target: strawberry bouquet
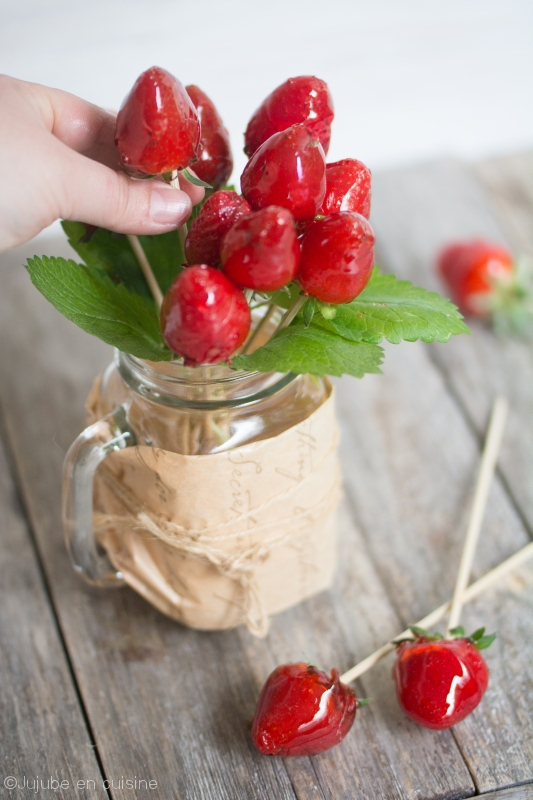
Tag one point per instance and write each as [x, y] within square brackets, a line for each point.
[279, 278]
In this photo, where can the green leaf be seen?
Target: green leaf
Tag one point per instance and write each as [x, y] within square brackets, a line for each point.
[431, 637]
[187, 174]
[286, 297]
[312, 350]
[107, 310]
[392, 309]
[485, 641]
[477, 634]
[111, 253]
[308, 311]
[458, 633]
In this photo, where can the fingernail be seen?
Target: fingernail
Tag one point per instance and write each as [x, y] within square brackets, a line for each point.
[169, 206]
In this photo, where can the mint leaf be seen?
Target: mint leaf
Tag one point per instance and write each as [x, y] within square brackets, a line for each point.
[312, 350]
[107, 310]
[392, 309]
[111, 253]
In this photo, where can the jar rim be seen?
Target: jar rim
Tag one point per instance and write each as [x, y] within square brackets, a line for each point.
[166, 382]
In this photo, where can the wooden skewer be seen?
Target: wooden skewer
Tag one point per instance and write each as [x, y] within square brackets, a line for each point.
[291, 312]
[472, 591]
[486, 471]
[146, 268]
[263, 322]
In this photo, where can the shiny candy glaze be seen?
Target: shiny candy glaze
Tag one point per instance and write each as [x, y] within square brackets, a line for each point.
[347, 188]
[262, 251]
[288, 170]
[438, 683]
[219, 213]
[302, 711]
[337, 257]
[204, 317]
[157, 126]
[215, 163]
[304, 99]
[470, 270]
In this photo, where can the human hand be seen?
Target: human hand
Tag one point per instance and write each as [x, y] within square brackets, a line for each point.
[58, 160]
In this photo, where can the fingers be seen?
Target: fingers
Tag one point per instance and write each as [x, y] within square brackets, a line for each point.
[92, 193]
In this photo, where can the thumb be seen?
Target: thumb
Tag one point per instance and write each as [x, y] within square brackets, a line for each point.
[93, 193]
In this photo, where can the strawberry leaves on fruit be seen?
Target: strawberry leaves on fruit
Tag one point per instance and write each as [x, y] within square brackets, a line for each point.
[312, 350]
[87, 296]
[394, 309]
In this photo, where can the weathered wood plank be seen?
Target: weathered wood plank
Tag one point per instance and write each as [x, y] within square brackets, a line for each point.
[509, 184]
[424, 509]
[42, 730]
[524, 792]
[165, 703]
[416, 211]
[172, 704]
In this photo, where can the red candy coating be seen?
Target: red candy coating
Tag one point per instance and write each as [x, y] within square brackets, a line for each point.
[304, 99]
[219, 213]
[472, 270]
[262, 251]
[347, 188]
[288, 170]
[302, 711]
[157, 126]
[214, 163]
[439, 683]
[337, 257]
[204, 317]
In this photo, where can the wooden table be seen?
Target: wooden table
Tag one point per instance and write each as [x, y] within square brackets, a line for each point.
[96, 685]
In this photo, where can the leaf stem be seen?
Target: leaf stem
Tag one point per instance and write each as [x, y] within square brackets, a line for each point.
[263, 322]
[486, 471]
[470, 593]
[146, 268]
[291, 312]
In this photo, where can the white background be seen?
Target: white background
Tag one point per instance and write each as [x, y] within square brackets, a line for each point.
[411, 79]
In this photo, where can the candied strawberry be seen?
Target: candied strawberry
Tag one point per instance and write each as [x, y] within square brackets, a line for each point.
[347, 188]
[337, 257]
[476, 273]
[304, 99]
[302, 711]
[157, 126]
[261, 251]
[288, 170]
[439, 681]
[204, 317]
[214, 163]
[219, 213]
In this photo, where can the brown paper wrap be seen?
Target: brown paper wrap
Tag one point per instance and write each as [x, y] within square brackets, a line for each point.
[229, 538]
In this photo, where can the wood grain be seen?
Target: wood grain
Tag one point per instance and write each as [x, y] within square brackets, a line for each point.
[425, 510]
[524, 792]
[42, 729]
[416, 211]
[172, 704]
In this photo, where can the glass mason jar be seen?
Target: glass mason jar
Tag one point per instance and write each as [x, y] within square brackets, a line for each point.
[208, 490]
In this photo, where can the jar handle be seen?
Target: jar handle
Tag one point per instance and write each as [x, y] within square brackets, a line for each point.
[106, 436]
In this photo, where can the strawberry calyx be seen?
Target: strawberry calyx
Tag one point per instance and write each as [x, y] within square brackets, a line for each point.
[478, 638]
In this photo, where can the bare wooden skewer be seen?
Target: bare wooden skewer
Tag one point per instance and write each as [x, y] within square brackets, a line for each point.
[472, 591]
[289, 315]
[491, 451]
[146, 268]
[263, 322]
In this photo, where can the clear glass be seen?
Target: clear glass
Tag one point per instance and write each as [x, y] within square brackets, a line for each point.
[191, 411]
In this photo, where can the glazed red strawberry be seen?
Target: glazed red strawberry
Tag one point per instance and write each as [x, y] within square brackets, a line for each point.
[302, 711]
[337, 257]
[219, 213]
[288, 170]
[204, 317]
[215, 163]
[440, 681]
[347, 188]
[304, 99]
[262, 251]
[476, 272]
[157, 126]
